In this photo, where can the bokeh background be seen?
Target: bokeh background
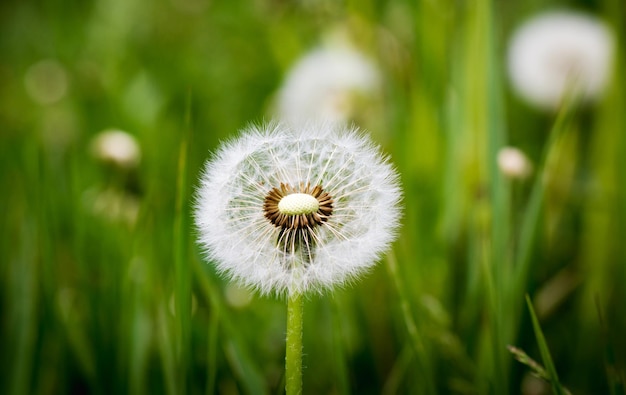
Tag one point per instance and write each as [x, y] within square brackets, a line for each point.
[103, 290]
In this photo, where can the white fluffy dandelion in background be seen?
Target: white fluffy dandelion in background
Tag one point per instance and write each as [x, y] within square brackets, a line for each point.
[118, 200]
[513, 163]
[328, 83]
[116, 147]
[559, 51]
[47, 81]
[287, 209]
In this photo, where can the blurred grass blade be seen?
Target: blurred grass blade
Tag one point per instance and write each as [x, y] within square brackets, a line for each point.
[523, 358]
[425, 371]
[213, 335]
[616, 381]
[532, 213]
[24, 314]
[165, 346]
[24, 271]
[500, 195]
[339, 353]
[557, 388]
[529, 227]
[250, 377]
[183, 273]
[233, 341]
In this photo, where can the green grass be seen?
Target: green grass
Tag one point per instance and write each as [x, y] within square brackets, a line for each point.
[94, 304]
[551, 374]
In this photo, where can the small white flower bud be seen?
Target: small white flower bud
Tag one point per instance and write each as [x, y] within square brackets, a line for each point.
[116, 147]
[513, 163]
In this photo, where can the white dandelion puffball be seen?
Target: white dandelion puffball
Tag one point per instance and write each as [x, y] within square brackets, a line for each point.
[326, 84]
[116, 147]
[287, 209]
[513, 163]
[558, 51]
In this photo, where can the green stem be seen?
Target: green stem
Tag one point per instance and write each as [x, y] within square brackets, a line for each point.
[293, 359]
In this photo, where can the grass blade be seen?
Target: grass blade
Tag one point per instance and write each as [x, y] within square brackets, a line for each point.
[181, 263]
[421, 353]
[557, 388]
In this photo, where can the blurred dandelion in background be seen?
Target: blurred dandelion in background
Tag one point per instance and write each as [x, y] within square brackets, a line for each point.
[556, 52]
[119, 199]
[112, 205]
[330, 83]
[513, 163]
[46, 81]
[117, 148]
[297, 209]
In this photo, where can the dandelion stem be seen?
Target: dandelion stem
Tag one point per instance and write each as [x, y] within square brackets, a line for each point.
[293, 358]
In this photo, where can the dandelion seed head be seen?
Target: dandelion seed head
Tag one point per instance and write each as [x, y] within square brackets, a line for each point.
[327, 83]
[116, 147]
[513, 163]
[297, 209]
[556, 52]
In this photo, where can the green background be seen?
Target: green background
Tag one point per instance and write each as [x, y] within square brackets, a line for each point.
[91, 303]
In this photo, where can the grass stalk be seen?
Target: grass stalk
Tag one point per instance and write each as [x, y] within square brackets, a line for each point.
[33, 249]
[343, 383]
[181, 264]
[533, 210]
[427, 384]
[557, 388]
[228, 335]
[213, 336]
[500, 196]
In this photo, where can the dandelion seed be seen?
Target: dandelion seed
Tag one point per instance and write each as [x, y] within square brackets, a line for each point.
[557, 52]
[328, 83]
[291, 210]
